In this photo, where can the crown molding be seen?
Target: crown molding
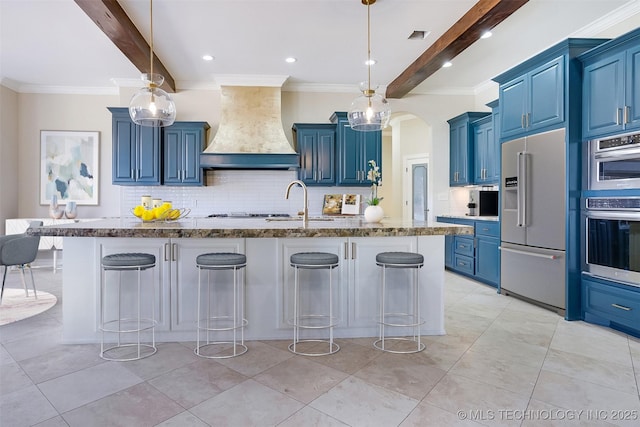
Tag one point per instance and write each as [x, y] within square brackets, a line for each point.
[612, 18]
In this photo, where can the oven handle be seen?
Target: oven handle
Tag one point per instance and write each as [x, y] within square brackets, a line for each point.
[613, 214]
[621, 154]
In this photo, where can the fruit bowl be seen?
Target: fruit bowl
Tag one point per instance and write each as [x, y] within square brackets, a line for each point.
[166, 215]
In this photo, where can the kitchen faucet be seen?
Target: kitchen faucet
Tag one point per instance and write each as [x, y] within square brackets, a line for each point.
[305, 210]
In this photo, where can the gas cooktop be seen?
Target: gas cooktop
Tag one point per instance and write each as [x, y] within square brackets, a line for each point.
[249, 215]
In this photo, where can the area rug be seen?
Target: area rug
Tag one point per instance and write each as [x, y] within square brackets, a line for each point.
[16, 306]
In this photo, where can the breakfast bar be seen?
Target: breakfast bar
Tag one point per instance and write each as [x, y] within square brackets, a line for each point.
[268, 244]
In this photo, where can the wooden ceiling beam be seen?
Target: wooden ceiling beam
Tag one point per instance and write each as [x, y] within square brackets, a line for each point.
[483, 16]
[109, 16]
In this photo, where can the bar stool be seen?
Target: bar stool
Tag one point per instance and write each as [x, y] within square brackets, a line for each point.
[123, 262]
[410, 319]
[312, 261]
[221, 322]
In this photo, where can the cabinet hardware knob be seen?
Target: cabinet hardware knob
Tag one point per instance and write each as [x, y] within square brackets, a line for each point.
[621, 307]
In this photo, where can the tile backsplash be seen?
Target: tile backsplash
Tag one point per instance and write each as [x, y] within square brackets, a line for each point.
[227, 191]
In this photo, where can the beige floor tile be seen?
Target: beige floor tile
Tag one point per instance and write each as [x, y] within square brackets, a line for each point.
[504, 347]
[426, 415]
[478, 401]
[301, 378]
[140, 405]
[605, 347]
[442, 354]
[493, 368]
[404, 373]
[309, 417]
[13, 378]
[260, 357]
[184, 419]
[5, 357]
[84, 386]
[358, 403]
[61, 360]
[247, 404]
[25, 407]
[168, 357]
[608, 374]
[196, 382]
[53, 422]
[571, 393]
[351, 357]
[542, 414]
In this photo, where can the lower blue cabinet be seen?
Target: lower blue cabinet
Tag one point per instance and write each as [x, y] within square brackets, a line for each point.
[611, 304]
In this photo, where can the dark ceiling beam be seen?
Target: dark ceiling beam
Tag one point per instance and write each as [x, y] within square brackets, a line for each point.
[483, 16]
[109, 16]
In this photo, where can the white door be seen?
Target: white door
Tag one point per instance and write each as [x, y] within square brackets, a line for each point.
[416, 188]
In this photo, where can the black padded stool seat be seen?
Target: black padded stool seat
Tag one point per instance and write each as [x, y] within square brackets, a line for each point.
[399, 258]
[128, 260]
[313, 259]
[220, 259]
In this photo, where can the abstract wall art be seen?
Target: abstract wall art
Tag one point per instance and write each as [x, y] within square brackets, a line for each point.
[69, 166]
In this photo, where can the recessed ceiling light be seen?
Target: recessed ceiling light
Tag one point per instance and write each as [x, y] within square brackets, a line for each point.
[291, 60]
[447, 64]
[486, 35]
[207, 57]
[370, 62]
[419, 35]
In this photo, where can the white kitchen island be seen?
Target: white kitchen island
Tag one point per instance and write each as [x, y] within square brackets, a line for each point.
[268, 276]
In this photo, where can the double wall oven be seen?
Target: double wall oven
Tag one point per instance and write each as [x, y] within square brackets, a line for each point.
[612, 231]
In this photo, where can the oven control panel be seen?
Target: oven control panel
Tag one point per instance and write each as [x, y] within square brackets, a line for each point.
[614, 203]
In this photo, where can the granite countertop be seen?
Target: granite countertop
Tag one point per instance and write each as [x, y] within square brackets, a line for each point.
[474, 217]
[249, 228]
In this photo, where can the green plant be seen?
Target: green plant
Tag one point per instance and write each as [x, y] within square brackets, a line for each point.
[374, 176]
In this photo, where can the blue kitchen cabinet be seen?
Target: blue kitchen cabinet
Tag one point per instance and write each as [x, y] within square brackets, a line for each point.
[535, 96]
[461, 154]
[611, 87]
[136, 151]
[487, 262]
[316, 144]
[354, 151]
[611, 304]
[486, 164]
[182, 144]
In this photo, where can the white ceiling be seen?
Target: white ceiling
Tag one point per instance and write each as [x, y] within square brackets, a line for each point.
[53, 46]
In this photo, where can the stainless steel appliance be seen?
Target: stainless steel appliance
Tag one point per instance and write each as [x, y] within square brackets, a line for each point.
[614, 162]
[533, 212]
[613, 238]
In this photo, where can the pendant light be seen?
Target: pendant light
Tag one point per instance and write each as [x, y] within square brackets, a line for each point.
[152, 106]
[370, 111]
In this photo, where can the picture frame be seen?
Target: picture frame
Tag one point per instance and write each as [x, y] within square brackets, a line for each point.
[332, 204]
[69, 166]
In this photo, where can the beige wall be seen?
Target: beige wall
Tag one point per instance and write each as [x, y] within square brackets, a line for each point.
[20, 145]
[8, 155]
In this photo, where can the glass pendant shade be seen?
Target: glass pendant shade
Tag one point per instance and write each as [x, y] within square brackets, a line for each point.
[369, 112]
[152, 106]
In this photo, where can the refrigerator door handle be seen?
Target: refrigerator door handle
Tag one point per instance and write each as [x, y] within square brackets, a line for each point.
[517, 251]
[522, 189]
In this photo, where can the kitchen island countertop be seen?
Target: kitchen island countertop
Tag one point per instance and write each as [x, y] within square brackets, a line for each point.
[250, 228]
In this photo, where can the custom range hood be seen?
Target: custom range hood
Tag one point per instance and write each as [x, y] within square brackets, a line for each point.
[250, 134]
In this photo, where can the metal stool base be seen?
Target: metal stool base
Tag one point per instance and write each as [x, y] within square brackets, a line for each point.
[141, 355]
[243, 349]
[333, 347]
[419, 348]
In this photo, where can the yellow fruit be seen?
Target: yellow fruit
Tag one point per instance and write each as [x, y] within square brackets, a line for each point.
[138, 211]
[147, 215]
[174, 214]
[167, 205]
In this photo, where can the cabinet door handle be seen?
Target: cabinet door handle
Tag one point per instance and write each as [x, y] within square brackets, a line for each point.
[353, 250]
[346, 250]
[522, 122]
[621, 307]
[166, 252]
[320, 176]
[627, 114]
[618, 114]
[528, 119]
[174, 251]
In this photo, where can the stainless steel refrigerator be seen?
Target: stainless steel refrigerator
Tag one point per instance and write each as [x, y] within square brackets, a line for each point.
[533, 212]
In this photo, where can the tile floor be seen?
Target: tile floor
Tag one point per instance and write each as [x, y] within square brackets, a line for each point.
[502, 362]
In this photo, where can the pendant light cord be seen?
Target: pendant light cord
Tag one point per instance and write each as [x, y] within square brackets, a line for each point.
[369, 47]
[151, 44]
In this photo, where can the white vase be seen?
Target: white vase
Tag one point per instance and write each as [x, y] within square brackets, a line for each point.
[71, 211]
[373, 213]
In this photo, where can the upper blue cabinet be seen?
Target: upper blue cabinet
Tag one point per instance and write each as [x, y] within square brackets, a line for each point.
[316, 144]
[533, 96]
[354, 151]
[461, 148]
[183, 143]
[611, 89]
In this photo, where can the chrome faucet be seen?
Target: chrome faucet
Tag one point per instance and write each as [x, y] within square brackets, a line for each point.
[305, 210]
